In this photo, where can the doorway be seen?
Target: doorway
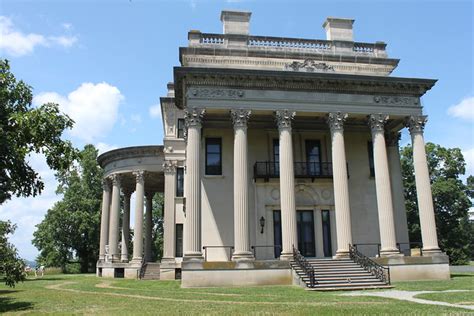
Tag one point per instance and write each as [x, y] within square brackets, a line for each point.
[326, 221]
[305, 231]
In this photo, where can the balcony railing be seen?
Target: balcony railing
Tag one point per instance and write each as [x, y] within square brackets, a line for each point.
[312, 170]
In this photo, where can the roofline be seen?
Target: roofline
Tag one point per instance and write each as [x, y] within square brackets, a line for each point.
[133, 151]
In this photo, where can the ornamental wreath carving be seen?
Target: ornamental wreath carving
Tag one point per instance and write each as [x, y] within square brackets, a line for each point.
[240, 117]
[395, 100]
[308, 65]
[217, 93]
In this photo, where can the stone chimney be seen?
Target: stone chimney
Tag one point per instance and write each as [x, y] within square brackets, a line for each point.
[236, 22]
[338, 29]
[170, 87]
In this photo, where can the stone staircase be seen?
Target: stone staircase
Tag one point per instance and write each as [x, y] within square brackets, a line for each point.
[337, 274]
[151, 271]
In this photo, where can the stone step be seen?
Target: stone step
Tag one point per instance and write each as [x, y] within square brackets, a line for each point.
[343, 277]
[350, 287]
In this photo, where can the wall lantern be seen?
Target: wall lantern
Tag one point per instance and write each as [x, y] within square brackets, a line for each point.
[262, 224]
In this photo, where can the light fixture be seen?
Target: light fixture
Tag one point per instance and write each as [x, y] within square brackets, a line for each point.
[262, 224]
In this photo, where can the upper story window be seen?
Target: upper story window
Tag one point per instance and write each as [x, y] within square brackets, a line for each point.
[213, 156]
[276, 150]
[180, 128]
[313, 156]
[180, 182]
[370, 149]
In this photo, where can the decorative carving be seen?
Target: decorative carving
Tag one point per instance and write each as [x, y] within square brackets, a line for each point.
[240, 117]
[377, 122]
[115, 178]
[168, 150]
[284, 118]
[395, 100]
[416, 124]
[308, 65]
[193, 117]
[140, 176]
[106, 184]
[392, 139]
[275, 194]
[336, 121]
[169, 166]
[217, 93]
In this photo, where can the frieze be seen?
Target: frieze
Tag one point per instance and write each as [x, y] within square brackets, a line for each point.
[395, 100]
[308, 65]
[217, 93]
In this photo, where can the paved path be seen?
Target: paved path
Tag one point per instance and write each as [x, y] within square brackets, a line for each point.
[410, 296]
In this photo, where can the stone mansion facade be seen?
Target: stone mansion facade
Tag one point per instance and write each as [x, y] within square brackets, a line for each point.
[280, 160]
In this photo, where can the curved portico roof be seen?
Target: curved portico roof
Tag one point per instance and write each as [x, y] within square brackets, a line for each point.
[125, 161]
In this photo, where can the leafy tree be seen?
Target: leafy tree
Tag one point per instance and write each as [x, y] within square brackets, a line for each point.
[11, 266]
[157, 229]
[451, 198]
[71, 227]
[26, 130]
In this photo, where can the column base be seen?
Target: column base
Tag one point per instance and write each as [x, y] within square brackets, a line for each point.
[114, 258]
[433, 252]
[341, 254]
[391, 253]
[286, 256]
[193, 257]
[124, 258]
[243, 256]
[136, 260]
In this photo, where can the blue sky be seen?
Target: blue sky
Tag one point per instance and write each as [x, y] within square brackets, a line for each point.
[108, 62]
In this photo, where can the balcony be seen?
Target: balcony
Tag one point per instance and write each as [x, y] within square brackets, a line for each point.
[309, 170]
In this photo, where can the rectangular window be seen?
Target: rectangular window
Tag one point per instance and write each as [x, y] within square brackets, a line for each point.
[275, 166]
[370, 149]
[180, 128]
[313, 157]
[277, 239]
[179, 182]
[179, 240]
[213, 156]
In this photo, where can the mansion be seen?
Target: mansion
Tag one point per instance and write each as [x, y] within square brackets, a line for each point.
[280, 165]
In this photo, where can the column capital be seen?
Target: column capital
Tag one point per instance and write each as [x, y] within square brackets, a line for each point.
[284, 118]
[193, 116]
[140, 176]
[416, 124]
[115, 178]
[106, 184]
[240, 117]
[377, 122]
[392, 139]
[336, 120]
[169, 166]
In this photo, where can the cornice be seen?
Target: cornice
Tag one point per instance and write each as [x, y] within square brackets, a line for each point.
[129, 152]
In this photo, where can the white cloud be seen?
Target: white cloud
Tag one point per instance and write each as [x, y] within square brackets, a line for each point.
[469, 158]
[17, 43]
[155, 111]
[463, 110]
[93, 107]
[103, 147]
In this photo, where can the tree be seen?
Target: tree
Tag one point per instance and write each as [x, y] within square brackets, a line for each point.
[11, 266]
[451, 199]
[70, 228]
[27, 130]
[157, 228]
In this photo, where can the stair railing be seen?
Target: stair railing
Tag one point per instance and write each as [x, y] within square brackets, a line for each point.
[142, 269]
[305, 266]
[380, 272]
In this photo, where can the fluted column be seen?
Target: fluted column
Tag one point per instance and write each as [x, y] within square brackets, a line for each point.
[125, 225]
[192, 224]
[287, 184]
[138, 228]
[429, 237]
[114, 218]
[169, 237]
[148, 225]
[382, 183]
[241, 199]
[104, 219]
[340, 182]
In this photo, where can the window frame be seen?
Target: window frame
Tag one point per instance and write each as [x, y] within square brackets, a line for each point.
[370, 151]
[180, 128]
[179, 178]
[213, 141]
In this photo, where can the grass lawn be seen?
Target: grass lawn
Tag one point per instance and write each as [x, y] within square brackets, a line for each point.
[87, 294]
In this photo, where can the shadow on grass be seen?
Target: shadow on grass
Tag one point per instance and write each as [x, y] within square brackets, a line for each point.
[8, 304]
[461, 275]
[44, 279]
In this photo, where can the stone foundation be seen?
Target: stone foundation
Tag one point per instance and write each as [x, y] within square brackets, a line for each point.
[229, 274]
[118, 270]
[417, 268]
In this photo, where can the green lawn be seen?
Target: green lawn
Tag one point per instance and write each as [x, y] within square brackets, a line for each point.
[87, 294]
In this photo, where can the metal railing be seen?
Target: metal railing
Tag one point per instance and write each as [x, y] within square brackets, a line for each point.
[305, 266]
[380, 272]
[254, 248]
[142, 269]
[231, 248]
[313, 170]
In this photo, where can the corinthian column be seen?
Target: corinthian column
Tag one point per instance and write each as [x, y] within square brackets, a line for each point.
[114, 218]
[416, 125]
[138, 229]
[125, 225]
[382, 183]
[287, 184]
[192, 224]
[169, 168]
[241, 199]
[104, 219]
[148, 225]
[341, 187]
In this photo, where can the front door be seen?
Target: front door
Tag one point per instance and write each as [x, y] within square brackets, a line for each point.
[305, 223]
[326, 220]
